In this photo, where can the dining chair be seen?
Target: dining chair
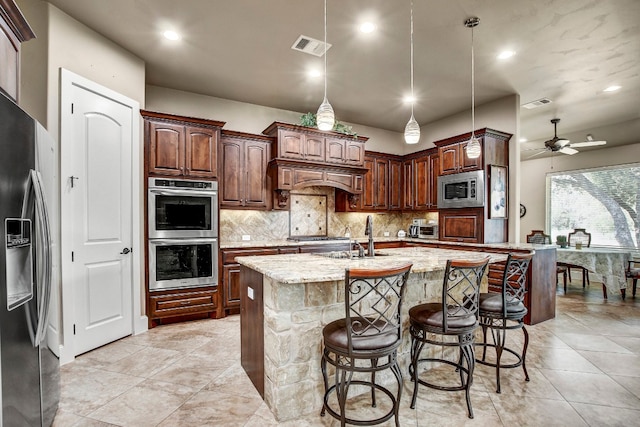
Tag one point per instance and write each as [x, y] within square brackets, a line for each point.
[633, 272]
[365, 341]
[539, 237]
[579, 236]
[449, 323]
[505, 311]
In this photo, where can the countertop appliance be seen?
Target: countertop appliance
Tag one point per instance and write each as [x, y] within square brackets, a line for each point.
[423, 229]
[461, 190]
[30, 375]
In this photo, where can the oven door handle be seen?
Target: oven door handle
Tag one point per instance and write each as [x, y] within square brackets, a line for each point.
[172, 192]
[166, 242]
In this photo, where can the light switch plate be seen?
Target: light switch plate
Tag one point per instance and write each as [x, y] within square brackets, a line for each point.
[386, 234]
[246, 237]
[250, 292]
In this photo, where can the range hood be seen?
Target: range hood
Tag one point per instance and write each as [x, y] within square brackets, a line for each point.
[307, 157]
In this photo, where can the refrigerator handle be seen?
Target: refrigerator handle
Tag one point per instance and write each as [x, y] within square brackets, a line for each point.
[43, 255]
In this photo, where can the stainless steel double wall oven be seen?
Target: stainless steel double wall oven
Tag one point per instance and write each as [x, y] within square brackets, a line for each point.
[183, 233]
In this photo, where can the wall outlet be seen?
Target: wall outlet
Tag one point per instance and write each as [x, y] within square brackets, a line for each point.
[386, 234]
[246, 237]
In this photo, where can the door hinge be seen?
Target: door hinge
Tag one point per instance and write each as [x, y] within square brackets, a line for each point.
[74, 329]
[72, 256]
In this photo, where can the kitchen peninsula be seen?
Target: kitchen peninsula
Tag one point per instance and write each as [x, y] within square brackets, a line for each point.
[287, 299]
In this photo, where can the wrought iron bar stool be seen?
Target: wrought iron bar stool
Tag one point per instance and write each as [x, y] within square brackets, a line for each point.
[366, 340]
[455, 316]
[505, 311]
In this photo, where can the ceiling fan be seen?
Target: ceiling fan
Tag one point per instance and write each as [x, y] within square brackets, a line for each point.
[563, 145]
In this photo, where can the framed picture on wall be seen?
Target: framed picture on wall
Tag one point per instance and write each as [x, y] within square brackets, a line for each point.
[498, 190]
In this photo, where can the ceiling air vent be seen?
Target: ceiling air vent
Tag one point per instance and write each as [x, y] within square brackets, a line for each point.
[537, 103]
[311, 46]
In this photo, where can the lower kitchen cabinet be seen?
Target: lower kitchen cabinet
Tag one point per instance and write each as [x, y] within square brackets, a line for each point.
[230, 275]
[182, 302]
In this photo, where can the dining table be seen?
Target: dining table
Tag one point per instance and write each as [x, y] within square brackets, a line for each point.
[606, 265]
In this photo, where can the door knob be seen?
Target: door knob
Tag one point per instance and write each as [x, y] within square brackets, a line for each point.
[126, 251]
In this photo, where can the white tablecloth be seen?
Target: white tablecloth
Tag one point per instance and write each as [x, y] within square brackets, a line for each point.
[604, 264]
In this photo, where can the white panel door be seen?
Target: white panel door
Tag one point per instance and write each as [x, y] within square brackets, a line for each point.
[100, 189]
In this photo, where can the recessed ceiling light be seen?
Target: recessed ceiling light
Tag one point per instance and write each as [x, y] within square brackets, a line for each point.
[523, 139]
[612, 88]
[314, 73]
[409, 99]
[171, 35]
[367, 27]
[506, 54]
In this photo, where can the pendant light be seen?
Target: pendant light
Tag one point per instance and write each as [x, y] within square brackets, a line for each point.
[473, 147]
[412, 130]
[325, 117]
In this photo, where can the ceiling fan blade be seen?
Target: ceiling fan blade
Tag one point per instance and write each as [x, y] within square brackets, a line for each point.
[567, 150]
[537, 154]
[588, 143]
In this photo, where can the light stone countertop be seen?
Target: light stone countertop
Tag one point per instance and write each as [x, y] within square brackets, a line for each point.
[364, 239]
[307, 268]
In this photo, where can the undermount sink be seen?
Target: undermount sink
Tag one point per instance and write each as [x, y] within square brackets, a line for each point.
[345, 255]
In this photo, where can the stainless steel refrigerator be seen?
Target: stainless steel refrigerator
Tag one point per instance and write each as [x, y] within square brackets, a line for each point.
[29, 370]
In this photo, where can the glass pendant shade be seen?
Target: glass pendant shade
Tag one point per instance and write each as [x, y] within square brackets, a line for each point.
[325, 117]
[473, 148]
[412, 131]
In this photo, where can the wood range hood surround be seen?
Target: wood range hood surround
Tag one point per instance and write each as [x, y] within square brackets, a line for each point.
[306, 157]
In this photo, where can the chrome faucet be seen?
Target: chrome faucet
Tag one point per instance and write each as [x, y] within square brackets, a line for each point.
[368, 231]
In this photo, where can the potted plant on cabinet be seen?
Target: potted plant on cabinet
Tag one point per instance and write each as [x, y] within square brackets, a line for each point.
[309, 120]
[561, 241]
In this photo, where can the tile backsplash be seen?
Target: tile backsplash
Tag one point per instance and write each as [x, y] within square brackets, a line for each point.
[312, 213]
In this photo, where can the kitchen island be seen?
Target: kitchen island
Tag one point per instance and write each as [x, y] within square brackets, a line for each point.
[286, 300]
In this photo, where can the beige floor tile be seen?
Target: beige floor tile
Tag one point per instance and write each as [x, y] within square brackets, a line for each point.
[145, 405]
[145, 363]
[630, 383]
[592, 343]
[597, 415]
[211, 408]
[535, 412]
[83, 390]
[615, 363]
[597, 389]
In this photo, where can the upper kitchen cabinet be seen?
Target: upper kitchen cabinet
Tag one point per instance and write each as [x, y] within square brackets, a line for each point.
[453, 157]
[244, 159]
[305, 157]
[14, 30]
[421, 171]
[382, 190]
[309, 144]
[181, 146]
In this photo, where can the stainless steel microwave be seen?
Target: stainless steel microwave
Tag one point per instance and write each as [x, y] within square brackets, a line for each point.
[461, 190]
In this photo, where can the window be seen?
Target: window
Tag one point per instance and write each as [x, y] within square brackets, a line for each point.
[604, 201]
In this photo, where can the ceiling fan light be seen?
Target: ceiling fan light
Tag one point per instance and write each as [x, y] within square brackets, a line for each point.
[473, 148]
[325, 118]
[412, 131]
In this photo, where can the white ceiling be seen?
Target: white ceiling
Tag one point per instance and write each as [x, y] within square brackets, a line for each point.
[567, 51]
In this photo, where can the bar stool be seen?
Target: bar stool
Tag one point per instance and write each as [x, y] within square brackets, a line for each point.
[455, 316]
[366, 340]
[499, 311]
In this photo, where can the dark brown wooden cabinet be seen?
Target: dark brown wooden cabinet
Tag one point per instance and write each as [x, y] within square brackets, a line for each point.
[453, 159]
[344, 151]
[14, 30]
[458, 224]
[181, 146]
[244, 160]
[170, 304]
[230, 274]
[420, 180]
[462, 225]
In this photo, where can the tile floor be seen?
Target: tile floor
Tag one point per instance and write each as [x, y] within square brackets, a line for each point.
[584, 367]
